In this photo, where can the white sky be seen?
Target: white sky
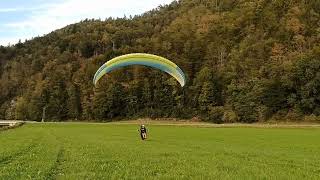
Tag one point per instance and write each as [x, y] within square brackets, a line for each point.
[39, 17]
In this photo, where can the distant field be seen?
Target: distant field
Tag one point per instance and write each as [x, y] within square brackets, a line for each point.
[114, 151]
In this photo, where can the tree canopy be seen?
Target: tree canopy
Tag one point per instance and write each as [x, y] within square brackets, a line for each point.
[245, 61]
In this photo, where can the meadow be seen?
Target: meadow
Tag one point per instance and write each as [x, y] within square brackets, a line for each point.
[115, 151]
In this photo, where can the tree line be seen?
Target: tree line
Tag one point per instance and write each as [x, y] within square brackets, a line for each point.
[245, 61]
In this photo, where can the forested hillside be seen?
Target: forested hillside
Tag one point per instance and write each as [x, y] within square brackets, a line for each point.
[245, 61]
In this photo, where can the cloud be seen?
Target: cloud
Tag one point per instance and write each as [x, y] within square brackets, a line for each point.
[5, 10]
[20, 9]
[49, 17]
[11, 40]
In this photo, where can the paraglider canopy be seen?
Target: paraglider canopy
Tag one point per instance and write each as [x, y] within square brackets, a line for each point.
[150, 60]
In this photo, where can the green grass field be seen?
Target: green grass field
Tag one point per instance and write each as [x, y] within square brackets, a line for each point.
[109, 151]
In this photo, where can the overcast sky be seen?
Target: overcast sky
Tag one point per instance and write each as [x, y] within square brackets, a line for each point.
[24, 19]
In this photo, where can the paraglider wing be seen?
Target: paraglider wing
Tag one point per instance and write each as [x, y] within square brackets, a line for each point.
[150, 60]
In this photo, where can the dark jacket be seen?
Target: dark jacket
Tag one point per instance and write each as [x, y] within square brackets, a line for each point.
[143, 130]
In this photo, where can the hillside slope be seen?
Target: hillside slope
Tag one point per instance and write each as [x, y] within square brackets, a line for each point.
[245, 61]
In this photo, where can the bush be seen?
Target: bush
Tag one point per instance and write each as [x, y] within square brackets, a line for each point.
[229, 116]
[279, 115]
[215, 114]
[311, 118]
[294, 115]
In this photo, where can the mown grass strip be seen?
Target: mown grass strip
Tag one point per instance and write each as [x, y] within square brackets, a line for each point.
[56, 169]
